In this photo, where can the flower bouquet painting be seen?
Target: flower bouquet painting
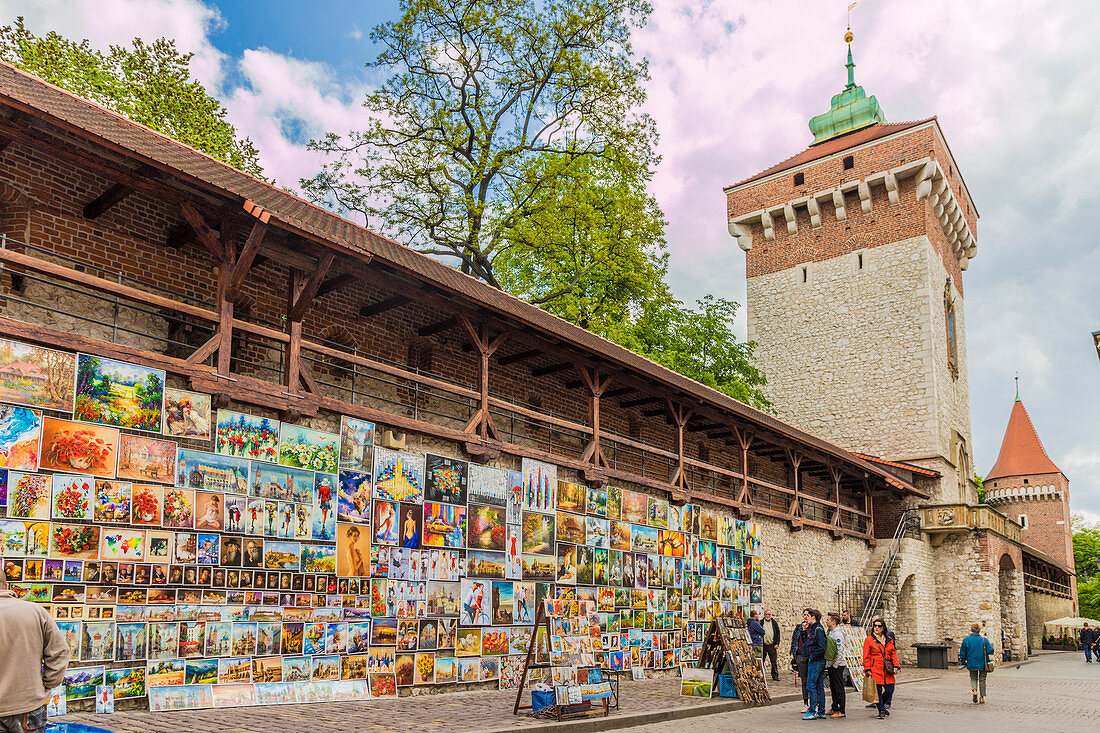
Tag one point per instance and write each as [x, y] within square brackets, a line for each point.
[72, 497]
[74, 541]
[146, 508]
[247, 436]
[28, 496]
[76, 448]
[179, 508]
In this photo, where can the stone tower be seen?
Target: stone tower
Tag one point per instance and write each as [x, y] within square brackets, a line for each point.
[1028, 487]
[855, 249]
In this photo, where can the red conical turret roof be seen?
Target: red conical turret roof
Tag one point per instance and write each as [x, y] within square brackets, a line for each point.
[1022, 453]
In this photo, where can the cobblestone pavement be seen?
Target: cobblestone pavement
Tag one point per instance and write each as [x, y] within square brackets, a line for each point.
[1056, 691]
[479, 710]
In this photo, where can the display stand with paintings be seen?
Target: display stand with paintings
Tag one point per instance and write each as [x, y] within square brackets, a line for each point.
[726, 648]
[853, 654]
[571, 627]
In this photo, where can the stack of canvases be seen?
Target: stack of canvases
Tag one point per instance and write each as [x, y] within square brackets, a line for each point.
[294, 565]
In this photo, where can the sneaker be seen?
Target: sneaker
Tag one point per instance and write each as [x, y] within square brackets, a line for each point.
[809, 716]
[887, 711]
[871, 705]
[974, 696]
[982, 701]
[821, 716]
[882, 716]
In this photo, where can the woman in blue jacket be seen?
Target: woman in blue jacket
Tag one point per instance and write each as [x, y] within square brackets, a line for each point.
[974, 653]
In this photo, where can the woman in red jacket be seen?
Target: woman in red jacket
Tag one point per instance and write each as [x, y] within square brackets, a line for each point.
[880, 660]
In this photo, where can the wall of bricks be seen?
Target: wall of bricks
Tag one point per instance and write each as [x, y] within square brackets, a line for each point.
[1044, 500]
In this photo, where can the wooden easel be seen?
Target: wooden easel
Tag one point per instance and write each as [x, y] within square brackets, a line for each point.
[724, 647]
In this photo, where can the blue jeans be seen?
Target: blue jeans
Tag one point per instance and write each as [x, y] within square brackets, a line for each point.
[815, 685]
[1088, 653]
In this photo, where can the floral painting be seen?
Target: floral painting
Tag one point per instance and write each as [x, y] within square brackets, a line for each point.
[306, 448]
[20, 431]
[72, 497]
[28, 496]
[146, 459]
[398, 476]
[74, 541]
[247, 436]
[76, 448]
[112, 501]
[110, 392]
[35, 376]
[186, 414]
[179, 508]
[146, 506]
[356, 439]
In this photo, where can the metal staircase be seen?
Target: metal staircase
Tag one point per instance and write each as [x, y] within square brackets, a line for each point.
[863, 597]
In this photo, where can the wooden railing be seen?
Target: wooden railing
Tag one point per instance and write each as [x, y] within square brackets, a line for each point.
[942, 518]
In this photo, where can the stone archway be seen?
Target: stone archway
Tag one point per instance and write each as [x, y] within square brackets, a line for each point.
[1013, 614]
[906, 623]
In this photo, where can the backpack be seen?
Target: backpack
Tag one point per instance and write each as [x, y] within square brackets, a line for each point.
[831, 648]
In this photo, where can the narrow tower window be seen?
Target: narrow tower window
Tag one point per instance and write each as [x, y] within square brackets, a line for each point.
[799, 179]
[805, 274]
[849, 162]
[859, 260]
[952, 341]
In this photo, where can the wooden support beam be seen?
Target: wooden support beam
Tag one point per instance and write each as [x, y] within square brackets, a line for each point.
[292, 361]
[597, 385]
[439, 327]
[207, 237]
[794, 460]
[384, 305]
[309, 288]
[481, 423]
[744, 499]
[104, 201]
[334, 283]
[680, 416]
[641, 401]
[247, 257]
[618, 392]
[551, 369]
[518, 357]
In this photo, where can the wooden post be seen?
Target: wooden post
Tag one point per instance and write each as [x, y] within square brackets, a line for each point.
[481, 423]
[794, 516]
[869, 508]
[680, 415]
[835, 473]
[597, 385]
[744, 499]
[292, 357]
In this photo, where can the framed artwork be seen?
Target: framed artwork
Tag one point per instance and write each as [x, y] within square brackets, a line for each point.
[486, 564]
[444, 525]
[486, 528]
[72, 497]
[80, 682]
[122, 544]
[77, 448]
[36, 376]
[74, 541]
[477, 609]
[384, 523]
[489, 485]
[657, 512]
[323, 525]
[119, 394]
[318, 559]
[353, 496]
[410, 525]
[571, 497]
[356, 440]
[570, 528]
[179, 508]
[13, 538]
[212, 472]
[447, 479]
[247, 436]
[148, 500]
[29, 495]
[129, 682]
[597, 501]
[538, 567]
[696, 682]
[146, 459]
[315, 450]
[614, 502]
[538, 533]
[20, 435]
[112, 502]
[398, 476]
[186, 414]
[635, 507]
[539, 485]
[352, 551]
[209, 511]
[284, 483]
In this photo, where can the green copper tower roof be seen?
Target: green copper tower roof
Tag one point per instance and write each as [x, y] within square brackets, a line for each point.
[850, 110]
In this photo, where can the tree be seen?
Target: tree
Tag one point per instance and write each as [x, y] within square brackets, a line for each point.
[1086, 547]
[487, 106]
[981, 487]
[150, 83]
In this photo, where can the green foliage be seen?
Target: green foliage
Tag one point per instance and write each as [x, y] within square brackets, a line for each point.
[149, 83]
[1086, 549]
[1088, 598]
[981, 487]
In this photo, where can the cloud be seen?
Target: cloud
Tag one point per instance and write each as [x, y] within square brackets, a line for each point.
[355, 33]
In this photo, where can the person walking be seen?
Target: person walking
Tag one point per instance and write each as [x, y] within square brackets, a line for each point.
[771, 642]
[798, 657]
[816, 641]
[35, 659]
[880, 660]
[756, 634]
[974, 653]
[1089, 637]
[835, 664]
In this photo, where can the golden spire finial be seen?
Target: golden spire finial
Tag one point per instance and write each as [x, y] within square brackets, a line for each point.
[849, 36]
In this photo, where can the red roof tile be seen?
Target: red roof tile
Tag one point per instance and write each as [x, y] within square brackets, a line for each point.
[829, 147]
[919, 470]
[1022, 453]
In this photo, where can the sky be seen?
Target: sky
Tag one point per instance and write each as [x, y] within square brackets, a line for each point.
[733, 85]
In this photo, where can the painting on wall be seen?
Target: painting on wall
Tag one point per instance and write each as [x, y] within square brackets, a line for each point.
[36, 376]
[78, 448]
[356, 439]
[72, 497]
[247, 436]
[444, 525]
[315, 450]
[398, 476]
[446, 479]
[539, 485]
[635, 507]
[28, 496]
[146, 459]
[74, 541]
[282, 482]
[201, 470]
[112, 501]
[353, 496]
[486, 528]
[20, 433]
[119, 394]
[352, 550]
[489, 485]
[186, 414]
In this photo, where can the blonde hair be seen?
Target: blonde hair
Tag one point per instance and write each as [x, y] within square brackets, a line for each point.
[975, 628]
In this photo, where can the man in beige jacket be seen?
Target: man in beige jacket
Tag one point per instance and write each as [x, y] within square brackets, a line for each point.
[35, 656]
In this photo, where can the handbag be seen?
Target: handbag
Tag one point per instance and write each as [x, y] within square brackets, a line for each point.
[870, 689]
[990, 665]
[888, 665]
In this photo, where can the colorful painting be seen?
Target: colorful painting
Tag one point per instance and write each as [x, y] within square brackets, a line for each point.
[597, 501]
[635, 507]
[614, 502]
[115, 393]
[74, 541]
[477, 610]
[696, 682]
[538, 533]
[307, 448]
[148, 501]
[112, 502]
[352, 550]
[446, 480]
[323, 526]
[72, 497]
[539, 485]
[398, 476]
[146, 459]
[29, 496]
[76, 448]
[570, 528]
[122, 544]
[318, 559]
[282, 482]
[353, 496]
[356, 439]
[20, 433]
[36, 377]
[410, 525]
[209, 514]
[657, 513]
[247, 436]
[80, 682]
[201, 470]
[571, 497]
[384, 523]
[186, 414]
[489, 485]
[179, 508]
[444, 525]
[486, 528]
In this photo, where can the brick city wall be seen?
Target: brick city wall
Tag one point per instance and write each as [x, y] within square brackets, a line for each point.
[1043, 607]
[1044, 500]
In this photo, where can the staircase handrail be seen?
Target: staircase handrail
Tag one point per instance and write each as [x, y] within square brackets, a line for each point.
[875, 597]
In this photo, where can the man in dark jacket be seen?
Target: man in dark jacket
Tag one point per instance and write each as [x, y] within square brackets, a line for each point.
[814, 650]
[798, 656]
[1089, 637]
[756, 633]
[771, 642]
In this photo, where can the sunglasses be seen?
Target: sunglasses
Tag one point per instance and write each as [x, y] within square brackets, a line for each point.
[878, 624]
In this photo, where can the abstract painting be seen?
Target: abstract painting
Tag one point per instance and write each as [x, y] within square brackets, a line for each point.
[489, 485]
[398, 476]
[446, 479]
[315, 450]
[76, 448]
[539, 484]
[20, 433]
[35, 376]
[186, 414]
[247, 436]
[146, 459]
[115, 393]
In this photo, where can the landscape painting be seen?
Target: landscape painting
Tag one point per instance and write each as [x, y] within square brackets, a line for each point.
[115, 393]
[201, 470]
[20, 432]
[311, 449]
[146, 459]
[247, 436]
[356, 439]
[186, 414]
[76, 448]
[36, 377]
[696, 682]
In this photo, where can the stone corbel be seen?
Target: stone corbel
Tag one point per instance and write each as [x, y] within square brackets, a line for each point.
[891, 187]
[864, 196]
[815, 212]
[792, 223]
[742, 234]
[838, 204]
[924, 183]
[769, 226]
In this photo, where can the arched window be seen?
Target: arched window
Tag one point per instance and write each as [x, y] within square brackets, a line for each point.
[952, 340]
